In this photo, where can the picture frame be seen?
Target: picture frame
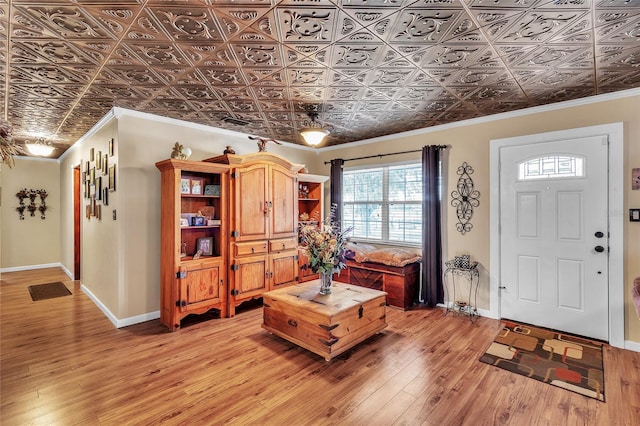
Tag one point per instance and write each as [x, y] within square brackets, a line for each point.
[92, 176]
[92, 155]
[112, 178]
[196, 186]
[205, 246]
[184, 222]
[212, 190]
[198, 221]
[99, 188]
[185, 186]
[111, 147]
[87, 189]
[99, 159]
[105, 165]
[635, 179]
[87, 167]
[105, 196]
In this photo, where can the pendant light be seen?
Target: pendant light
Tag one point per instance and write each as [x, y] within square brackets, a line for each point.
[313, 134]
[40, 147]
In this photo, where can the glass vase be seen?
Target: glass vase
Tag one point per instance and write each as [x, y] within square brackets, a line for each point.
[326, 278]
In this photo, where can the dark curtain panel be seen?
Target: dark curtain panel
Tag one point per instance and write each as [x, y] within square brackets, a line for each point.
[432, 289]
[336, 186]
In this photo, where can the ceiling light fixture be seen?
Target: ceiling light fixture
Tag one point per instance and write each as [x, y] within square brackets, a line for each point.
[313, 134]
[40, 147]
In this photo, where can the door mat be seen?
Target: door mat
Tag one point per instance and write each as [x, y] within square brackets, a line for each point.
[565, 361]
[48, 291]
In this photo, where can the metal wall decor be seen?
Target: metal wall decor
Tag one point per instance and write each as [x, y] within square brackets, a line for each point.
[465, 198]
[32, 194]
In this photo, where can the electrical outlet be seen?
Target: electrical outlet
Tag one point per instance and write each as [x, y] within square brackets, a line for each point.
[634, 215]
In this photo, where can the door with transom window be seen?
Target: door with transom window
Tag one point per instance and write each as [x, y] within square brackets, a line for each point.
[554, 235]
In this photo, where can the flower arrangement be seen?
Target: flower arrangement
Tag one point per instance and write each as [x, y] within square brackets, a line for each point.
[324, 244]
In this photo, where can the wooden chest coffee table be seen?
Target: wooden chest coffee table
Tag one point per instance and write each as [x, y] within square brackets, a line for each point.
[326, 325]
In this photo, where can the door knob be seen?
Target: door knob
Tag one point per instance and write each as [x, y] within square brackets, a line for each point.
[599, 234]
[599, 249]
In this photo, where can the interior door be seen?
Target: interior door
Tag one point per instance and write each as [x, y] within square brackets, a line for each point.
[554, 235]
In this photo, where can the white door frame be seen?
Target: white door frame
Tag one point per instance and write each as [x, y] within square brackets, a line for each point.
[615, 134]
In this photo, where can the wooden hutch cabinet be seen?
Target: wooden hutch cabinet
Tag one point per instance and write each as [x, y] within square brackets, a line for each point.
[311, 210]
[263, 223]
[188, 285]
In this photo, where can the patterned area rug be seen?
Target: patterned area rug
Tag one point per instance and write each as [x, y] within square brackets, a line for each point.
[48, 291]
[569, 362]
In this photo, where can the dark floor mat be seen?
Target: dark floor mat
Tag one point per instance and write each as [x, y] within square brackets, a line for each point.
[48, 291]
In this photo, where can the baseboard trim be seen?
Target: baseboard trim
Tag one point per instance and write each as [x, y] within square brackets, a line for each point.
[138, 319]
[481, 312]
[29, 267]
[100, 305]
[119, 323]
[632, 346]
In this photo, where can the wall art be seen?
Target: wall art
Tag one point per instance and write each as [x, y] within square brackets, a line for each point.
[465, 198]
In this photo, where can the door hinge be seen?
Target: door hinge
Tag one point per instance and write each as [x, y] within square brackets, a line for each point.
[235, 234]
[234, 267]
[181, 303]
[181, 275]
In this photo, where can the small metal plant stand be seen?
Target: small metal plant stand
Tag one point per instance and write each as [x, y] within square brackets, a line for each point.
[457, 305]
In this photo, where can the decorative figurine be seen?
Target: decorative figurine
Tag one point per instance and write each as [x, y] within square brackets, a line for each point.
[262, 142]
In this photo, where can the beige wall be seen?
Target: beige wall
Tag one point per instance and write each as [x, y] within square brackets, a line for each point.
[471, 142]
[32, 241]
[121, 257]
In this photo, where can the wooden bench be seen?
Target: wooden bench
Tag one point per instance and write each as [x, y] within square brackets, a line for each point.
[399, 282]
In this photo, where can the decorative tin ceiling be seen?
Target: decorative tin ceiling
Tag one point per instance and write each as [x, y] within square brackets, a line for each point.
[374, 67]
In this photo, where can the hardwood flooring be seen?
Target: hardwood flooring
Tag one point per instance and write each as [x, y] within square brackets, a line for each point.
[63, 362]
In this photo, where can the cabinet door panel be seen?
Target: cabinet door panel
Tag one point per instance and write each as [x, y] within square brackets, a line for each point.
[250, 276]
[202, 284]
[284, 205]
[284, 268]
[250, 203]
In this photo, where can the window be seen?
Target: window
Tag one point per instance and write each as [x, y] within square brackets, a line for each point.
[559, 166]
[384, 204]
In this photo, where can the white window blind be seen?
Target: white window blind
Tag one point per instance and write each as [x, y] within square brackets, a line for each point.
[384, 204]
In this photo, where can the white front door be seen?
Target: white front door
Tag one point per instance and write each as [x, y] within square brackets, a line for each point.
[554, 235]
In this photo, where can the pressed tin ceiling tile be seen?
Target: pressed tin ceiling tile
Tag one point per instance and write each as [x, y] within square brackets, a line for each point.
[373, 67]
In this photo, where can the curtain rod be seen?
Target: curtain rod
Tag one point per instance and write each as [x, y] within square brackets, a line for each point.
[391, 153]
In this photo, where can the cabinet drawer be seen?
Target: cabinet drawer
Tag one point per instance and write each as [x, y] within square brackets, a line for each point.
[249, 248]
[283, 244]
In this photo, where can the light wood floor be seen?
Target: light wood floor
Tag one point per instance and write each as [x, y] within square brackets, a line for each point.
[63, 362]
